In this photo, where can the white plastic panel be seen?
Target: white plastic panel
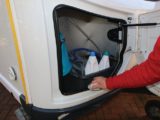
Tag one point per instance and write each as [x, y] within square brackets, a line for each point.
[32, 39]
[125, 5]
[148, 34]
[8, 56]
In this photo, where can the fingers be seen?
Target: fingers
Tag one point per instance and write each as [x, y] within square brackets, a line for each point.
[98, 83]
[96, 79]
[94, 86]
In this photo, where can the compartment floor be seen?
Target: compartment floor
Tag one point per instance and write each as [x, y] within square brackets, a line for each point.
[123, 106]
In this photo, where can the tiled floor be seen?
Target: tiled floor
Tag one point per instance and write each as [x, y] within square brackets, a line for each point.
[124, 106]
[7, 105]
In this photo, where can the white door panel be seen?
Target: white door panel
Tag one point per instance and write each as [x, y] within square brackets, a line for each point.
[149, 34]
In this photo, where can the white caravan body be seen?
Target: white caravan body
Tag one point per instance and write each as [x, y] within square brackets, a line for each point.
[30, 65]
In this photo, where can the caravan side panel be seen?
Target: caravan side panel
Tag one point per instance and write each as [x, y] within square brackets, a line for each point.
[8, 56]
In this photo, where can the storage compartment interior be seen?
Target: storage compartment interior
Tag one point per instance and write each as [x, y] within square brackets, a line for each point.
[82, 32]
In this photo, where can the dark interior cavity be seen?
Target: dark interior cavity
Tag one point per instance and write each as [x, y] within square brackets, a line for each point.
[84, 31]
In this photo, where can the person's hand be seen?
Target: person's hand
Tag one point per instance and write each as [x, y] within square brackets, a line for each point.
[98, 83]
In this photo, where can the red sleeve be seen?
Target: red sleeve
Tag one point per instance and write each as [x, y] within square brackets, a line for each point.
[144, 74]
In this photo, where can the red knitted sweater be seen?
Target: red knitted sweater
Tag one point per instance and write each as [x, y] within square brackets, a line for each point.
[144, 74]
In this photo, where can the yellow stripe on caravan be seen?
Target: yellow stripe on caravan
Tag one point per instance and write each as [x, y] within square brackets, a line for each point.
[17, 48]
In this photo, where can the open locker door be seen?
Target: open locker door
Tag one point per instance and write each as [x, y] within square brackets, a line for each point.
[147, 39]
